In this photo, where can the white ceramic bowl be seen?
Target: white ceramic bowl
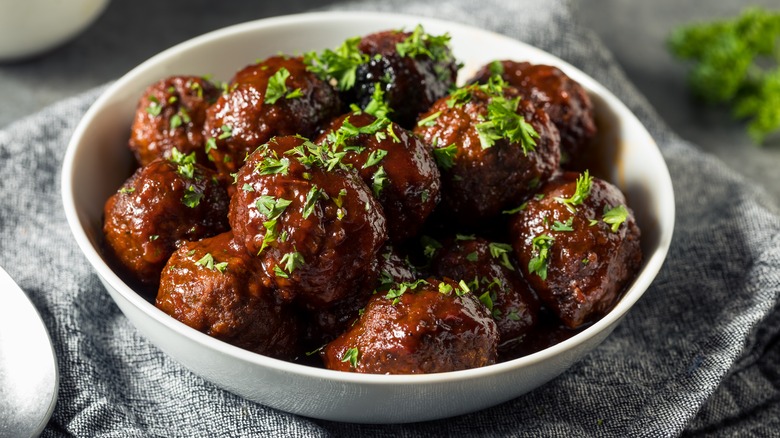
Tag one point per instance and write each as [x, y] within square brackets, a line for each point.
[29, 27]
[98, 161]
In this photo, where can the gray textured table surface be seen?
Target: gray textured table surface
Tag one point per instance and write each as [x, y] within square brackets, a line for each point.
[131, 31]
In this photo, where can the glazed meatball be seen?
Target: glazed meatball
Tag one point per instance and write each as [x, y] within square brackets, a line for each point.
[489, 271]
[212, 286]
[394, 163]
[414, 69]
[316, 232]
[325, 324]
[274, 97]
[428, 326]
[565, 101]
[160, 204]
[494, 149]
[170, 115]
[578, 246]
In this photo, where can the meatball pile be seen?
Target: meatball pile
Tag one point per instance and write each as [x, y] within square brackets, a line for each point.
[356, 209]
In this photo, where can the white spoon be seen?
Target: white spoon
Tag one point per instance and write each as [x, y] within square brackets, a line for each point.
[28, 367]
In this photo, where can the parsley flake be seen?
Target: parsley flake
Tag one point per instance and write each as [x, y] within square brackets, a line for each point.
[192, 197]
[615, 216]
[541, 247]
[351, 356]
[581, 192]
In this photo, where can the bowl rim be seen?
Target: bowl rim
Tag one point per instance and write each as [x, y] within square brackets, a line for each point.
[650, 267]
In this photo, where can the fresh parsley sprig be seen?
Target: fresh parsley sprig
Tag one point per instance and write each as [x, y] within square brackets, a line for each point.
[737, 62]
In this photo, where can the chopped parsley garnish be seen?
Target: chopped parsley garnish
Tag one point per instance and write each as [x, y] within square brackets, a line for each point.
[430, 246]
[563, 226]
[378, 180]
[154, 109]
[396, 293]
[516, 210]
[419, 43]
[429, 121]
[445, 157]
[503, 122]
[615, 216]
[292, 261]
[465, 237]
[273, 166]
[211, 144]
[227, 132]
[277, 88]
[127, 190]
[377, 106]
[208, 262]
[445, 288]
[340, 64]
[351, 356]
[501, 252]
[581, 192]
[311, 201]
[538, 264]
[496, 68]
[272, 208]
[374, 157]
[185, 164]
[487, 300]
[472, 256]
[192, 197]
[179, 118]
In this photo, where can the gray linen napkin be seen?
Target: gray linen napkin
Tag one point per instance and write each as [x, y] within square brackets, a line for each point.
[700, 340]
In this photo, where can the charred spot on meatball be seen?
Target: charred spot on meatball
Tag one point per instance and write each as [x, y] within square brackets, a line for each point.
[427, 326]
[160, 204]
[489, 269]
[493, 147]
[392, 161]
[170, 115]
[211, 285]
[578, 246]
[564, 99]
[274, 97]
[316, 231]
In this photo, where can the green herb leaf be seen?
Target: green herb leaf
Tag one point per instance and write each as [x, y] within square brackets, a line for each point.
[351, 356]
[276, 88]
[615, 216]
[341, 64]
[374, 158]
[379, 180]
[563, 226]
[538, 264]
[445, 157]
[501, 252]
[311, 201]
[192, 197]
[581, 192]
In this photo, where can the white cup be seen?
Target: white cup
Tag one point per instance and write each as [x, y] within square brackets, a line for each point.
[30, 27]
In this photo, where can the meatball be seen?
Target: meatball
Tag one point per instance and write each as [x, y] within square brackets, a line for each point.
[564, 99]
[428, 326]
[489, 271]
[211, 285]
[170, 115]
[161, 203]
[274, 97]
[414, 69]
[396, 164]
[494, 149]
[316, 232]
[325, 324]
[578, 246]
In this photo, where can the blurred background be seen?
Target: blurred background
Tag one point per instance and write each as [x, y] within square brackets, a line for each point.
[130, 31]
